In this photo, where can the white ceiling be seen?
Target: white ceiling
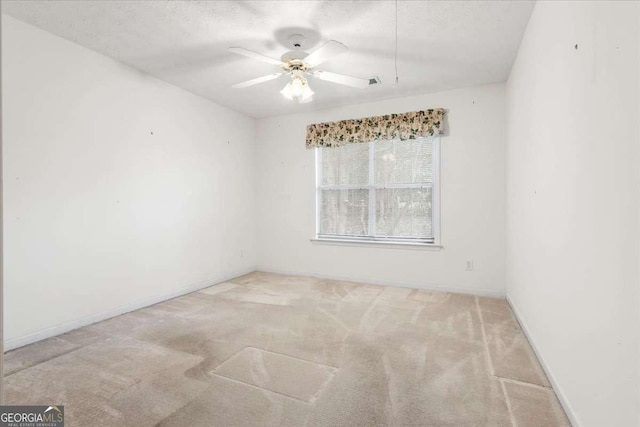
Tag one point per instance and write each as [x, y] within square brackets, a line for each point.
[441, 44]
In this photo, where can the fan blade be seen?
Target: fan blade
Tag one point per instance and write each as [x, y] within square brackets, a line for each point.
[254, 55]
[341, 79]
[256, 81]
[325, 52]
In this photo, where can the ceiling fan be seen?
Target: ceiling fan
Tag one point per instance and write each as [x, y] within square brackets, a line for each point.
[297, 64]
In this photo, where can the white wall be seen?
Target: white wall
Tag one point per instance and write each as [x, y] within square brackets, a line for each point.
[472, 194]
[119, 189]
[572, 203]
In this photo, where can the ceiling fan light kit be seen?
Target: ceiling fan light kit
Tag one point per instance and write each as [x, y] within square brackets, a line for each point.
[297, 64]
[298, 88]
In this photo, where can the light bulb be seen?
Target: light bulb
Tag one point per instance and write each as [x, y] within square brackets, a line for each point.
[307, 94]
[287, 91]
[297, 86]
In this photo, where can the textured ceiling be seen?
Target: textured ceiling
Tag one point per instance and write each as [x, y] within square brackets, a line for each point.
[441, 44]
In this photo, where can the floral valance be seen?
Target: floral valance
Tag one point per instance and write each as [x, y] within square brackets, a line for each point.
[403, 126]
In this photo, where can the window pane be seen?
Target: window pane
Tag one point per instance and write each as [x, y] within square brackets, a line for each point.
[345, 212]
[403, 162]
[348, 164]
[404, 212]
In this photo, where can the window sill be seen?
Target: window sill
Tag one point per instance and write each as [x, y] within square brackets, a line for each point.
[374, 243]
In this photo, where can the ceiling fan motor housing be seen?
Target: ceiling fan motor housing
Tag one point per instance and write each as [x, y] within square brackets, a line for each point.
[294, 57]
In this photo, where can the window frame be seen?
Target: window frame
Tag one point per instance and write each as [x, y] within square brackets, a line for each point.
[371, 187]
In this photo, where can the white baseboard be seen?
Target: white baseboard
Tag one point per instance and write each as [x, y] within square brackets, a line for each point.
[398, 283]
[552, 379]
[98, 317]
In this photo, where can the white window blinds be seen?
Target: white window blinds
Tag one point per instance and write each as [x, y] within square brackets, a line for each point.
[380, 190]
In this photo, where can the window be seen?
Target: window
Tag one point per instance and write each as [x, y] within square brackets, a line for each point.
[383, 191]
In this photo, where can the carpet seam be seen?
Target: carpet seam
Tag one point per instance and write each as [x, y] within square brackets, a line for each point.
[508, 402]
[261, 388]
[523, 383]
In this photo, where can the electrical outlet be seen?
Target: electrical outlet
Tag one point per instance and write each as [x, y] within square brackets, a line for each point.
[469, 265]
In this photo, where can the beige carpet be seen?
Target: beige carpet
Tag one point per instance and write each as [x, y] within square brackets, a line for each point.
[274, 350]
